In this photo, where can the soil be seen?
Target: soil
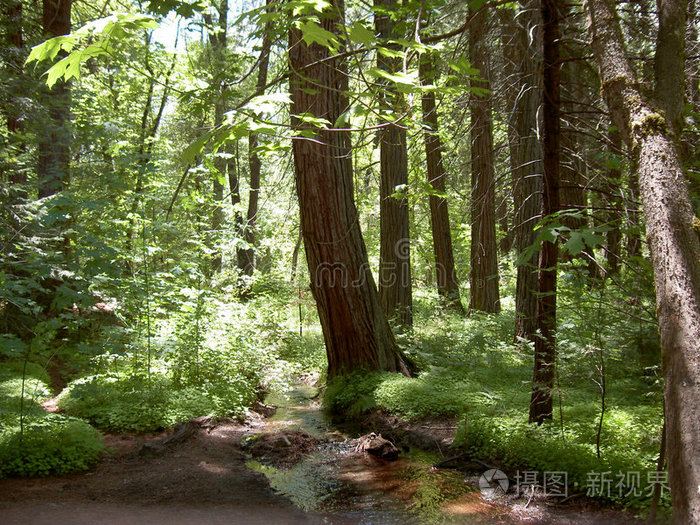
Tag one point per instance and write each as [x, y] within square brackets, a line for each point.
[198, 474]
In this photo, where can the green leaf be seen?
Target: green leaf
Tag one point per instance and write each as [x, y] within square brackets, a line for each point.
[195, 149]
[359, 34]
[313, 33]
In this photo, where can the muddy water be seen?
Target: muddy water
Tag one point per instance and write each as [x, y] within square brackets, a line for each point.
[337, 482]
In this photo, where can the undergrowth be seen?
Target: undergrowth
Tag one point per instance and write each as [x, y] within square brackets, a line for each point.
[32, 442]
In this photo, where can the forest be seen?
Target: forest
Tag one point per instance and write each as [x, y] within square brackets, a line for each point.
[241, 239]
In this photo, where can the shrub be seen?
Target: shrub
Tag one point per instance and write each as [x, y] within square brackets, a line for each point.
[119, 402]
[52, 443]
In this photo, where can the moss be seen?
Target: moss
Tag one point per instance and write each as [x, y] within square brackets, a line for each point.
[651, 124]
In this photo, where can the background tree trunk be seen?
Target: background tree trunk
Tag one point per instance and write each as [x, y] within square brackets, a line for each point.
[545, 344]
[522, 44]
[675, 250]
[483, 280]
[15, 50]
[446, 274]
[53, 167]
[395, 289]
[355, 328]
[254, 165]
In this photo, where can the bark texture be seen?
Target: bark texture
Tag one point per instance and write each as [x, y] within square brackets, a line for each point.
[675, 252]
[355, 328]
[545, 344]
[446, 274]
[483, 280]
[395, 289]
[521, 48]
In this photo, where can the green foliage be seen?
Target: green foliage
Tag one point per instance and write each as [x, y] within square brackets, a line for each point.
[121, 402]
[52, 444]
[32, 442]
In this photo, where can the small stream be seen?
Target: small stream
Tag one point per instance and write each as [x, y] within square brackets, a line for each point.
[335, 481]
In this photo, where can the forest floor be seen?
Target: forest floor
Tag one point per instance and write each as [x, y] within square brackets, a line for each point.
[307, 472]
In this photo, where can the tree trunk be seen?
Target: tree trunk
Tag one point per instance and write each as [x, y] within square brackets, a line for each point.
[53, 167]
[483, 278]
[675, 250]
[15, 51]
[447, 283]
[545, 344]
[218, 46]
[670, 52]
[613, 184]
[395, 289]
[355, 328]
[522, 43]
[248, 256]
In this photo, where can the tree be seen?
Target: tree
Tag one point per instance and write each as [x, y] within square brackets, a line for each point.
[447, 282]
[217, 41]
[545, 349]
[483, 279]
[674, 245]
[522, 42]
[395, 289]
[355, 328]
[53, 167]
[254, 165]
[14, 42]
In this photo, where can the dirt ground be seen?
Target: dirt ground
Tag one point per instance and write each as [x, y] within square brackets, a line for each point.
[204, 479]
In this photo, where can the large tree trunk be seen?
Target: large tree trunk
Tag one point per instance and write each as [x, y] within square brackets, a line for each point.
[53, 167]
[248, 255]
[521, 46]
[446, 274]
[483, 278]
[355, 328]
[545, 349]
[394, 246]
[675, 250]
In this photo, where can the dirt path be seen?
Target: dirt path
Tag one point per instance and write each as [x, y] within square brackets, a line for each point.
[208, 478]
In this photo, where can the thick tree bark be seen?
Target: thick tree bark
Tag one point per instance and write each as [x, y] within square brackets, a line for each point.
[53, 167]
[483, 278]
[446, 274]
[675, 250]
[355, 328]
[254, 165]
[545, 349]
[521, 47]
[395, 289]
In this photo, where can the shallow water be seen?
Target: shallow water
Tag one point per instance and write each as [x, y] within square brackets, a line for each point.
[339, 483]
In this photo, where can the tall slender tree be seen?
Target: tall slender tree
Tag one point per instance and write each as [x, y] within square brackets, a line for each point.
[446, 273]
[355, 328]
[483, 279]
[545, 349]
[14, 50]
[674, 245]
[395, 290]
[54, 135]
[254, 165]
